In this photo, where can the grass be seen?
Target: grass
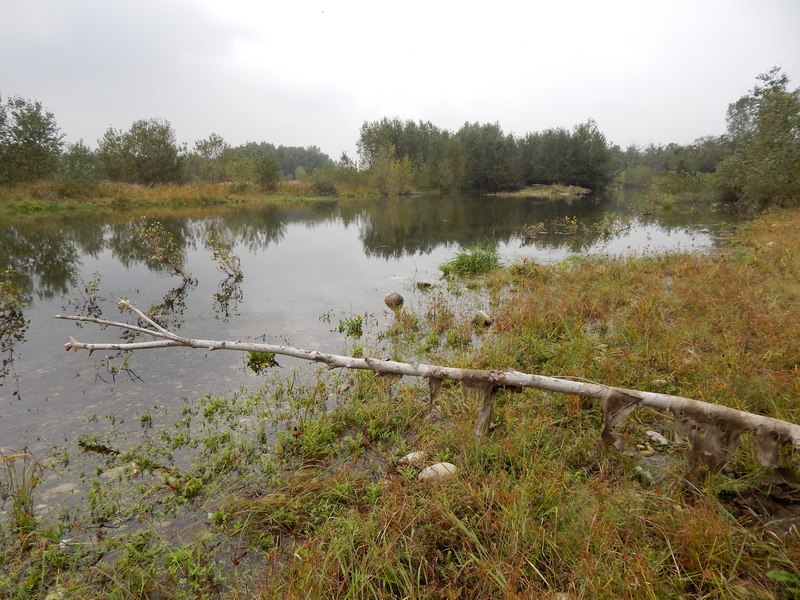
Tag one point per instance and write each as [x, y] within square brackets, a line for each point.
[21, 474]
[301, 493]
[475, 260]
[52, 197]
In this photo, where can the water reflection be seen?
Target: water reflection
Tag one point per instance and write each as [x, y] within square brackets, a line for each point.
[298, 262]
[49, 250]
[46, 252]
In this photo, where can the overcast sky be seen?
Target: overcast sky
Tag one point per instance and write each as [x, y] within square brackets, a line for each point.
[306, 73]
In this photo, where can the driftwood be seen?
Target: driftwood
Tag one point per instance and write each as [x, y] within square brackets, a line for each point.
[712, 430]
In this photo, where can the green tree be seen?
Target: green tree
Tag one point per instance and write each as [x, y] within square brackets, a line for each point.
[114, 156]
[147, 153]
[310, 158]
[240, 169]
[422, 142]
[207, 162]
[580, 157]
[78, 163]
[490, 157]
[78, 170]
[30, 141]
[589, 157]
[269, 172]
[765, 130]
[392, 176]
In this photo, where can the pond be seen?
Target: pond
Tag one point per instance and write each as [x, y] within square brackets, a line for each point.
[305, 266]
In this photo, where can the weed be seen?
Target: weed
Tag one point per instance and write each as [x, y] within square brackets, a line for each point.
[22, 473]
[351, 326]
[477, 259]
[258, 362]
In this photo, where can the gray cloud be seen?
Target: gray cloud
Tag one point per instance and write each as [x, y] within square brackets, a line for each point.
[311, 73]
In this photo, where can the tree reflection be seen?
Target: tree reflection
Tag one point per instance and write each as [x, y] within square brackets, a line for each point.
[46, 252]
[391, 228]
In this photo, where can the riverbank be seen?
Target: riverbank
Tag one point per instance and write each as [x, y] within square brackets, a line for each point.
[217, 504]
[545, 192]
[54, 197]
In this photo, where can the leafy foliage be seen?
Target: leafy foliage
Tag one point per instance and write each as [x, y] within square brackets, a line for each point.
[30, 141]
[259, 362]
[147, 153]
[482, 157]
[765, 128]
[268, 172]
[581, 157]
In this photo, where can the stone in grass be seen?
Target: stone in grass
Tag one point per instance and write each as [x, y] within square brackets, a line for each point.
[657, 438]
[393, 300]
[413, 458]
[437, 471]
[482, 319]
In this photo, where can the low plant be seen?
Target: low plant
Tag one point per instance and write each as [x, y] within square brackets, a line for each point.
[477, 259]
[258, 362]
[21, 475]
[352, 327]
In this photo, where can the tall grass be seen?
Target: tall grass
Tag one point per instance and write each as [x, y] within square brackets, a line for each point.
[477, 259]
[21, 474]
[537, 509]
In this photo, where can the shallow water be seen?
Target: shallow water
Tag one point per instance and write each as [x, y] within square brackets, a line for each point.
[300, 264]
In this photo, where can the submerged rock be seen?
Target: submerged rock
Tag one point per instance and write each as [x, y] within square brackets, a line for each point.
[437, 471]
[393, 300]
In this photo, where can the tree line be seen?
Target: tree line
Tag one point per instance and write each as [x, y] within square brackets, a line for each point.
[758, 157]
[32, 148]
[400, 155]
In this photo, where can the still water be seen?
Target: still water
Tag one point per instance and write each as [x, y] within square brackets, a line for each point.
[300, 264]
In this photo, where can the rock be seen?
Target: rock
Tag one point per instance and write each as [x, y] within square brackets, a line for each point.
[393, 300]
[57, 593]
[655, 469]
[482, 319]
[437, 471]
[657, 438]
[413, 458]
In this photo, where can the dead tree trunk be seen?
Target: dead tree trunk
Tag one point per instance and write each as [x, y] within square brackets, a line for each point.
[713, 430]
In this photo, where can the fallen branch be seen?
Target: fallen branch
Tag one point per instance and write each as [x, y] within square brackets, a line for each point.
[713, 430]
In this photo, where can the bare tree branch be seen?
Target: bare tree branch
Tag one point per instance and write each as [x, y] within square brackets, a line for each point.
[694, 418]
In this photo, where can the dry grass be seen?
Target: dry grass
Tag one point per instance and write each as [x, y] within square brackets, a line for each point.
[538, 509]
[52, 196]
[546, 192]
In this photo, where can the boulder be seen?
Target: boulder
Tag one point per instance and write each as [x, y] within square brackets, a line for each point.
[393, 300]
[482, 319]
[413, 458]
[437, 471]
[657, 438]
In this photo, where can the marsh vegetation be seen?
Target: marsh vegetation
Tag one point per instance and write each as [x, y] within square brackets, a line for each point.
[181, 475]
